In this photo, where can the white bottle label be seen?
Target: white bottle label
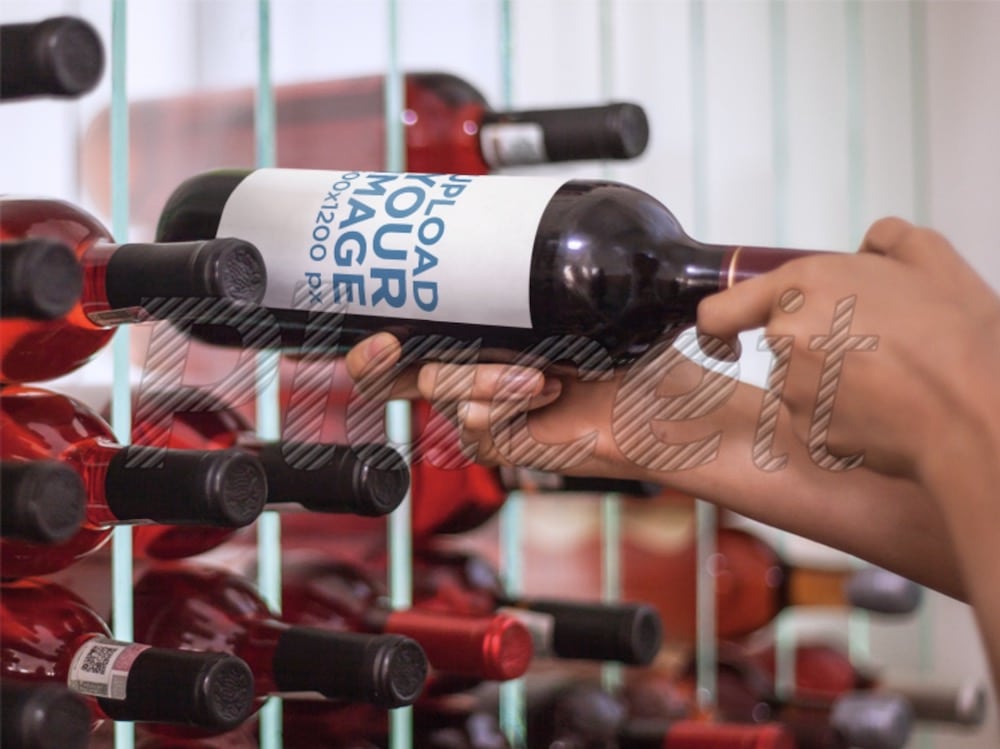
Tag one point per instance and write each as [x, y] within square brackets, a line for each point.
[100, 667]
[449, 248]
[512, 144]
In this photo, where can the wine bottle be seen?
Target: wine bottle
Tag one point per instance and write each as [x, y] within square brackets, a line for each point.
[122, 283]
[61, 56]
[753, 584]
[458, 581]
[43, 501]
[340, 595]
[824, 671]
[49, 635]
[694, 734]
[364, 480]
[493, 263]
[200, 607]
[856, 719]
[124, 485]
[448, 127]
[46, 716]
[39, 279]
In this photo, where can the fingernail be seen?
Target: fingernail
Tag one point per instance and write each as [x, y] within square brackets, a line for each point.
[379, 344]
[552, 387]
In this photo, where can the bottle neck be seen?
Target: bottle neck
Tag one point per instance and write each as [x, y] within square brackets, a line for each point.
[518, 138]
[91, 459]
[700, 270]
[804, 586]
[97, 311]
[484, 647]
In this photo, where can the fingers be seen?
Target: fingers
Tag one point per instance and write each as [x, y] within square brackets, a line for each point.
[373, 355]
[901, 240]
[745, 306]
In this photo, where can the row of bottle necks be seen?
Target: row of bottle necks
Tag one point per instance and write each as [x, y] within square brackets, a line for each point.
[209, 651]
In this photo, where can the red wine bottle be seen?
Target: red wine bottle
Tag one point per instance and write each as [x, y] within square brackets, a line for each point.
[61, 56]
[364, 480]
[195, 607]
[43, 501]
[39, 279]
[448, 127]
[42, 716]
[695, 734]
[825, 672]
[457, 581]
[753, 584]
[49, 635]
[122, 283]
[340, 595]
[506, 263]
[124, 485]
[865, 720]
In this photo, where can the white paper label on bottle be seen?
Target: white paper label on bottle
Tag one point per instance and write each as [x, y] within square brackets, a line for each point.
[513, 144]
[449, 248]
[100, 667]
[541, 626]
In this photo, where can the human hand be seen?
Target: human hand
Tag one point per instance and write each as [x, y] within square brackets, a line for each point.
[886, 349]
[575, 423]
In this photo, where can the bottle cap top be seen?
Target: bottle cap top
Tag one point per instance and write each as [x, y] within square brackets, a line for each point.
[225, 488]
[208, 690]
[369, 480]
[871, 720]
[630, 633]
[507, 649]
[41, 279]
[43, 717]
[64, 54]
[156, 276]
[43, 501]
[383, 670]
[882, 591]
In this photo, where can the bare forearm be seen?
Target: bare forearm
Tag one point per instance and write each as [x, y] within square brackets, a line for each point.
[891, 522]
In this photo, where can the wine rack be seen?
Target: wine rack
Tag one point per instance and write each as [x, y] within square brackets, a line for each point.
[720, 127]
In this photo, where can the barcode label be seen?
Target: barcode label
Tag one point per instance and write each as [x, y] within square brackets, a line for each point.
[100, 667]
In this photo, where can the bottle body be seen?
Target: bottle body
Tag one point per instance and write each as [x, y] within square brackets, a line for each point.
[492, 265]
[340, 595]
[448, 127]
[192, 607]
[461, 582]
[51, 636]
[226, 489]
[121, 283]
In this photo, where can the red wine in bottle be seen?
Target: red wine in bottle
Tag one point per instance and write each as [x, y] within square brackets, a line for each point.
[43, 501]
[448, 127]
[824, 671]
[49, 635]
[61, 57]
[197, 607]
[40, 279]
[341, 595]
[754, 584]
[121, 283]
[42, 716]
[496, 263]
[124, 485]
[458, 581]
